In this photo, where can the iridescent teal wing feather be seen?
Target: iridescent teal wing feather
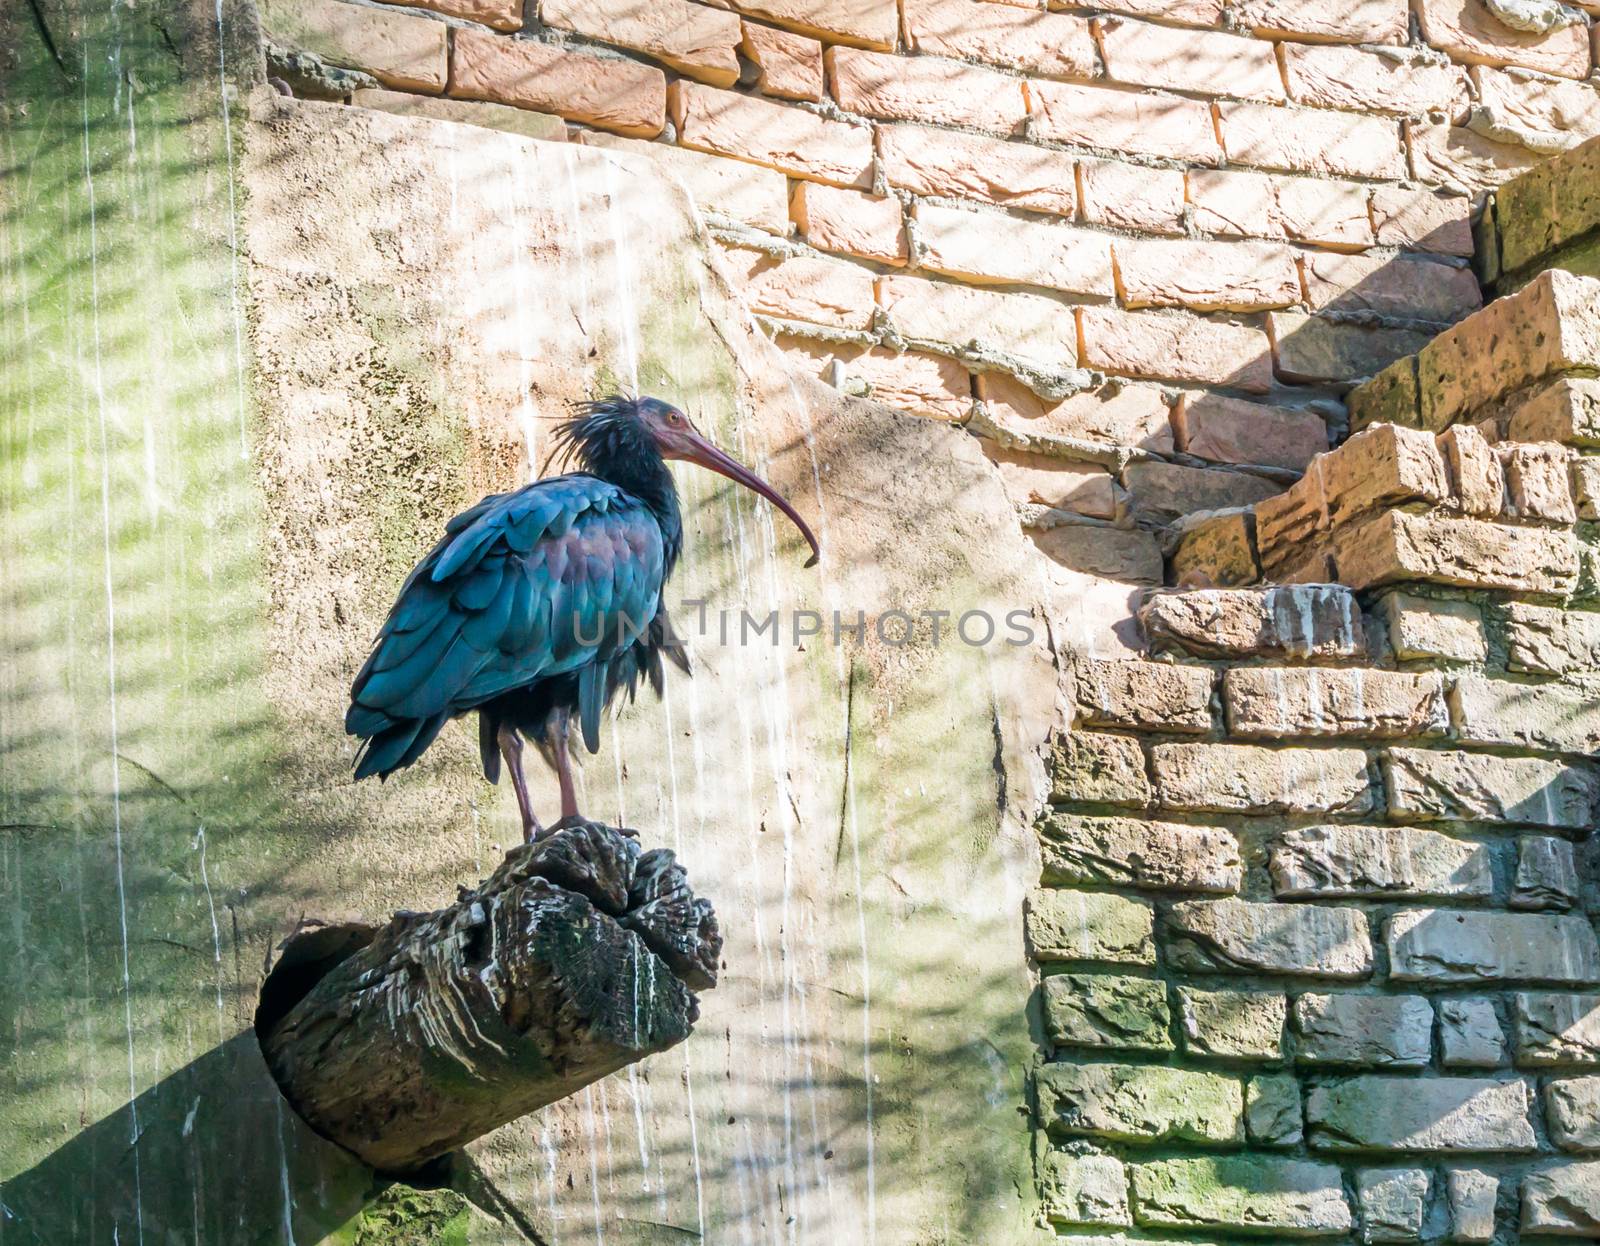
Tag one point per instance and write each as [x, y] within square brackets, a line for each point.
[556, 578]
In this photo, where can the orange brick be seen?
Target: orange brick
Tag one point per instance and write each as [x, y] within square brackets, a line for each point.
[613, 94]
[523, 121]
[1047, 481]
[847, 220]
[920, 384]
[950, 162]
[945, 315]
[1539, 482]
[993, 247]
[1308, 140]
[1460, 157]
[1422, 219]
[1477, 480]
[690, 38]
[1132, 196]
[787, 64]
[1216, 551]
[1131, 121]
[1117, 414]
[1314, 348]
[1399, 287]
[1125, 555]
[863, 23]
[1208, 63]
[1383, 466]
[800, 143]
[1034, 42]
[899, 88]
[1563, 410]
[1164, 492]
[803, 288]
[1175, 346]
[1264, 205]
[1399, 546]
[1231, 430]
[1348, 21]
[1390, 397]
[398, 49]
[1467, 31]
[1186, 12]
[1342, 77]
[1547, 114]
[501, 14]
[1315, 567]
[1290, 523]
[1204, 276]
[1550, 325]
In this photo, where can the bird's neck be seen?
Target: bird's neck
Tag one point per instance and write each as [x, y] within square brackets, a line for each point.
[651, 482]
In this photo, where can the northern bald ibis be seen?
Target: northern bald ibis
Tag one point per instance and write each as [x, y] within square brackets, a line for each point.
[542, 603]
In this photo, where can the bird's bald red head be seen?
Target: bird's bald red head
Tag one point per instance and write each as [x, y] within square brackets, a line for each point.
[677, 438]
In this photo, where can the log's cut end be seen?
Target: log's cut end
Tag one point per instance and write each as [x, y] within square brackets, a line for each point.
[579, 955]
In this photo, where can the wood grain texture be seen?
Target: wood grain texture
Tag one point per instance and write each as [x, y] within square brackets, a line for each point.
[579, 955]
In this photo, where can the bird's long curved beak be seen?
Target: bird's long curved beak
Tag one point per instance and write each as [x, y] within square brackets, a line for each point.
[708, 456]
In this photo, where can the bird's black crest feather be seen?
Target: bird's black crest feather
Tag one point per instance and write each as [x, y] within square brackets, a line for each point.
[602, 432]
[609, 438]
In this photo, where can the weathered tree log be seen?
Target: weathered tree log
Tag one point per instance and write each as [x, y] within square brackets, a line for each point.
[578, 956]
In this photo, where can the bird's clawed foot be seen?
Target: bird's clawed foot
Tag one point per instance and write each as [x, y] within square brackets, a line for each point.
[572, 821]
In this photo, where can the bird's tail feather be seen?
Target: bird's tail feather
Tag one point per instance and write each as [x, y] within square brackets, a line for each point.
[397, 745]
[364, 721]
[592, 696]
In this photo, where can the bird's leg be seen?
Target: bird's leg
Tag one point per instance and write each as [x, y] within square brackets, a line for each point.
[560, 728]
[511, 749]
[560, 724]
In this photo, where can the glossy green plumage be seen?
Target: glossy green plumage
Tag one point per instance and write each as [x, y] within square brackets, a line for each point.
[555, 579]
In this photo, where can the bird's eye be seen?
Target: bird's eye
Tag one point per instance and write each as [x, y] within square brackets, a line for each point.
[674, 419]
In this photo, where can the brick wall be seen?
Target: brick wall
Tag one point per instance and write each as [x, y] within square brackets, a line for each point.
[1316, 926]
[1141, 247]
[1548, 217]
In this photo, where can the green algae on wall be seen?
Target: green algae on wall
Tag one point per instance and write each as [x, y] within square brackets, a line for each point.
[402, 1216]
[1547, 217]
[411, 420]
[137, 756]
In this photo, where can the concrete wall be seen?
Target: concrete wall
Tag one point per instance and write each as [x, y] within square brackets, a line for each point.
[233, 434]
[399, 365]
